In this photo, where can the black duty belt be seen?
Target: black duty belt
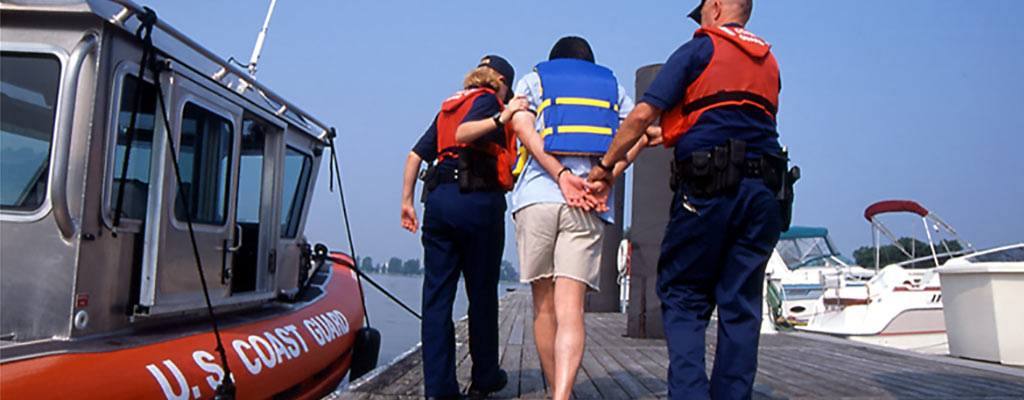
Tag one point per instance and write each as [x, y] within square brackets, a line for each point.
[448, 177]
[752, 168]
[720, 169]
[470, 183]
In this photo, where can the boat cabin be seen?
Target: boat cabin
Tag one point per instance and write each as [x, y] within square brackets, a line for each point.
[95, 227]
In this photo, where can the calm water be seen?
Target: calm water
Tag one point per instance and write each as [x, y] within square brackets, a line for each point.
[399, 329]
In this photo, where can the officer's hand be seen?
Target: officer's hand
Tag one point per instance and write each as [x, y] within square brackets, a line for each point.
[597, 195]
[517, 104]
[653, 136]
[597, 174]
[409, 220]
[574, 190]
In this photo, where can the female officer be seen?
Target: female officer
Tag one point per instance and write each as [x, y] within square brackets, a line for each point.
[463, 224]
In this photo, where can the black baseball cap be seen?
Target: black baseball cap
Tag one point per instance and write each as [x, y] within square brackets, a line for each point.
[501, 65]
[695, 14]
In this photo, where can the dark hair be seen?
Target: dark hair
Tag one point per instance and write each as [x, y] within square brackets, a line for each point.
[572, 47]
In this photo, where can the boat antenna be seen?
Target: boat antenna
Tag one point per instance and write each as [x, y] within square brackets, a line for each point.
[259, 41]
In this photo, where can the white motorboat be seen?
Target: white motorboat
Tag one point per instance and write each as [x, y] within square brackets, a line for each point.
[803, 260]
[901, 306]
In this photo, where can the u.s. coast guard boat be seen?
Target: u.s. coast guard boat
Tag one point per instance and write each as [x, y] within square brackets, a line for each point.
[152, 225]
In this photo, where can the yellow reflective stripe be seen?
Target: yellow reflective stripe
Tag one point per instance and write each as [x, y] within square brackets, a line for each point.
[582, 129]
[577, 101]
[581, 101]
[543, 105]
[520, 161]
[547, 131]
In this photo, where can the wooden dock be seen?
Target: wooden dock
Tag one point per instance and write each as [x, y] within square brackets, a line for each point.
[790, 366]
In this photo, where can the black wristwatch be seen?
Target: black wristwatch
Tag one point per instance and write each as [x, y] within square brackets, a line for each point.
[497, 120]
[600, 164]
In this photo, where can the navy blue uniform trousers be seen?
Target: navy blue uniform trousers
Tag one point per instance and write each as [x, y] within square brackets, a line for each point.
[462, 233]
[716, 258]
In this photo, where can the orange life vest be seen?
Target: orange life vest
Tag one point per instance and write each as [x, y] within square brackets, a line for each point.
[742, 71]
[453, 110]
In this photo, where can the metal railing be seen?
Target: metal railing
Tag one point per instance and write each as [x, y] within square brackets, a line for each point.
[130, 8]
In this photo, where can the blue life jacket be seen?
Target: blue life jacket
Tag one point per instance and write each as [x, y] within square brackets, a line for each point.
[579, 106]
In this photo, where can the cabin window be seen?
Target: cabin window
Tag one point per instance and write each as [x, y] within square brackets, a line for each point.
[204, 159]
[136, 177]
[29, 104]
[250, 172]
[804, 252]
[297, 167]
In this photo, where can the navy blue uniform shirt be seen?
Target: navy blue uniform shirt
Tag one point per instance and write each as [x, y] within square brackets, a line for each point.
[483, 107]
[716, 125]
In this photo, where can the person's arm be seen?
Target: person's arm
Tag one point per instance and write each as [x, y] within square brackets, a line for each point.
[412, 168]
[469, 131]
[572, 186]
[600, 190]
[424, 150]
[681, 69]
[626, 138]
[651, 137]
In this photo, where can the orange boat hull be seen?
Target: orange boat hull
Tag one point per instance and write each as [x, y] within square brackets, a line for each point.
[301, 354]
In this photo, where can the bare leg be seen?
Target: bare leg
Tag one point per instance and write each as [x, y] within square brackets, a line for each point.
[544, 325]
[569, 335]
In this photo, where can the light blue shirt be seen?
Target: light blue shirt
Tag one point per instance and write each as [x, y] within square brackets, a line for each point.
[535, 185]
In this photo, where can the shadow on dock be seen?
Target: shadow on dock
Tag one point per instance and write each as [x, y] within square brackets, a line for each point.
[790, 366]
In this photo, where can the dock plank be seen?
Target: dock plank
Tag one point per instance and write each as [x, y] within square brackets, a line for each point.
[790, 366]
[643, 371]
[624, 382]
[511, 353]
[585, 386]
[532, 384]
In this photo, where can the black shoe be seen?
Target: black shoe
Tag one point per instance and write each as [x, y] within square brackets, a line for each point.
[452, 397]
[479, 393]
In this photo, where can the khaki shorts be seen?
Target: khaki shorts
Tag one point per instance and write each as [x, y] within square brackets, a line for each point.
[555, 240]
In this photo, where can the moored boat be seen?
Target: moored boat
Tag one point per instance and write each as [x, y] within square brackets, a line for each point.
[299, 350]
[153, 200]
[901, 306]
[803, 261]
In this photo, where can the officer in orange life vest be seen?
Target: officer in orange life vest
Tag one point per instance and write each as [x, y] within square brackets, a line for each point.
[464, 224]
[717, 97]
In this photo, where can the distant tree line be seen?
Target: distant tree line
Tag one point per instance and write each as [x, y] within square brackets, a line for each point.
[890, 254]
[395, 266]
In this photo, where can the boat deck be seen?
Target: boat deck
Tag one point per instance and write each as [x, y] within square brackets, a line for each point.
[790, 365]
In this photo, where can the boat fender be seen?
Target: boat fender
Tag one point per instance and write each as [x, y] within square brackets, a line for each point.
[365, 351]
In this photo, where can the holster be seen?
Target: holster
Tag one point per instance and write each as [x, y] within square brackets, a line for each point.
[780, 181]
[786, 202]
[431, 178]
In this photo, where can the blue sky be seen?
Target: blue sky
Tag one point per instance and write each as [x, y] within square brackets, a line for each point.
[910, 99]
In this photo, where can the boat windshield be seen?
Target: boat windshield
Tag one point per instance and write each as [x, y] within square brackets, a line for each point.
[806, 251]
[1012, 254]
[29, 91]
